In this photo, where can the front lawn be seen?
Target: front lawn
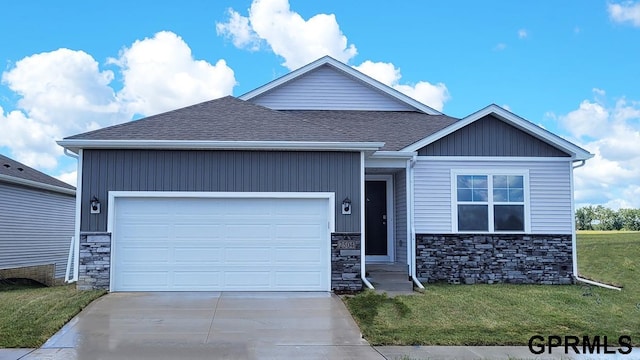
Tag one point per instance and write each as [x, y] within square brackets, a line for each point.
[29, 316]
[511, 314]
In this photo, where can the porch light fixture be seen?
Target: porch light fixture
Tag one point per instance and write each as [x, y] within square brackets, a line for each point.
[346, 206]
[95, 205]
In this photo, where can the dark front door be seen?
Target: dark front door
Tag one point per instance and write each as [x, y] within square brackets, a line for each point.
[375, 218]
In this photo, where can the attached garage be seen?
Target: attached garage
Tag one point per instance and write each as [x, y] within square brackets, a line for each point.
[172, 241]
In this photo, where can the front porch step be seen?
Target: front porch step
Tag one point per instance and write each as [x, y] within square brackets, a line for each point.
[389, 277]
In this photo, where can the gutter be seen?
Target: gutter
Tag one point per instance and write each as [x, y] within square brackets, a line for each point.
[412, 235]
[74, 145]
[363, 261]
[574, 249]
[37, 185]
[74, 247]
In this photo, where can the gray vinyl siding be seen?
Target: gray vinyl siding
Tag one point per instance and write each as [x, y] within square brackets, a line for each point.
[328, 89]
[490, 136]
[549, 189]
[36, 227]
[400, 202]
[233, 171]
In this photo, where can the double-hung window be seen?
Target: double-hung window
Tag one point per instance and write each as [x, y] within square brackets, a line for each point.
[490, 201]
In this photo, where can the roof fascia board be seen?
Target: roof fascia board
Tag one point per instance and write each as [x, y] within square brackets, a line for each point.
[394, 154]
[75, 145]
[577, 152]
[36, 184]
[327, 60]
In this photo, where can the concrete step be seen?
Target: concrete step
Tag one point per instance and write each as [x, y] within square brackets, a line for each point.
[387, 267]
[389, 277]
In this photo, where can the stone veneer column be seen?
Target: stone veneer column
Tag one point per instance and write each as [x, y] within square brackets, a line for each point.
[345, 262]
[494, 258]
[95, 261]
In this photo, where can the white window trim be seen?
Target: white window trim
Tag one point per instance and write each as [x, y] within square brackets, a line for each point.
[489, 172]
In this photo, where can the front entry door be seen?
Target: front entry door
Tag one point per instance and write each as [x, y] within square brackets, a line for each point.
[376, 221]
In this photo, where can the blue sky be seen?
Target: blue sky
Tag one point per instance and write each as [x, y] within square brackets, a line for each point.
[571, 66]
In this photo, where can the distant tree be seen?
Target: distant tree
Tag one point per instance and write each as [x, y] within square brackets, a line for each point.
[630, 219]
[584, 218]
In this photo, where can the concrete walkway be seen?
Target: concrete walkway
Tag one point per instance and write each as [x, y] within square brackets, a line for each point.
[237, 326]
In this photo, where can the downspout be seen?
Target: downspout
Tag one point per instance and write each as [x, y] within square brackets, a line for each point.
[75, 243]
[363, 270]
[574, 249]
[412, 236]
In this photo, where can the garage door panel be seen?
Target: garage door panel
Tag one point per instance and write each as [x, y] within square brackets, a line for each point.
[297, 255]
[132, 255]
[216, 244]
[204, 254]
[297, 279]
[247, 254]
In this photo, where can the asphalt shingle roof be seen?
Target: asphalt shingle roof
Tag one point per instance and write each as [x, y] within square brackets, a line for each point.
[10, 167]
[231, 119]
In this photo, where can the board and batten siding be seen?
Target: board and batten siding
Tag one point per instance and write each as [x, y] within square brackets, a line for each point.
[549, 189]
[400, 212]
[490, 136]
[328, 89]
[36, 227]
[229, 171]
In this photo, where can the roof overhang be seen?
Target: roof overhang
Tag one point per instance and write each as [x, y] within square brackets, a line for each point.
[577, 153]
[389, 159]
[348, 70]
[36, 184]
[74, 145]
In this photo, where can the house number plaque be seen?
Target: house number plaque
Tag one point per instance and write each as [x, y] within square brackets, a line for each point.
[347, 245]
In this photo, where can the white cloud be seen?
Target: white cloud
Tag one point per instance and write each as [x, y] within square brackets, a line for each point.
[612, 134]
[433, 95]
[64, 92]
[160, 74]
[301, 41]
[68, 177]
[288, 34]
[238, 30]
[625, 12]
[523, 33]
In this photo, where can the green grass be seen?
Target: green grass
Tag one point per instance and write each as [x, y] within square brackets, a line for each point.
[510, 314]
[29, 316]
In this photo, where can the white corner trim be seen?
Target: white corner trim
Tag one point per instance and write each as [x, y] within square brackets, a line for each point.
[346, 69]
[577, 152]
[75, 144]
[36, 184]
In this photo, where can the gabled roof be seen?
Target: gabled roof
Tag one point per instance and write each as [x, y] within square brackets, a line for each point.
[14, 172]
[575, 151]
[347, 71]
[231, 123]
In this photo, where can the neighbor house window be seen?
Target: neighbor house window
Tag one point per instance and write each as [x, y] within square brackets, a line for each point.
[490, 202]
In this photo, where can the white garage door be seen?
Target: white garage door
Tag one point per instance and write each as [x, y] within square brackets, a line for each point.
[216, 244]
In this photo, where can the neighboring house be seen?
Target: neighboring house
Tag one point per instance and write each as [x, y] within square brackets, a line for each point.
[303, 183]
[37, 215]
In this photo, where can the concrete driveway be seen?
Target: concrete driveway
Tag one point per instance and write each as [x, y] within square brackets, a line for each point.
[210, 325]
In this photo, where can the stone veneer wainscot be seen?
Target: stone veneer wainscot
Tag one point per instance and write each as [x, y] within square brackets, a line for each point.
[95, 262]
[345, 263]
[494, 258]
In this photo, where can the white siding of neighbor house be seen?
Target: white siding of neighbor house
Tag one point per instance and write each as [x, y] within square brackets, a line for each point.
[36, 227]
[328, 89]
[549, 186]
